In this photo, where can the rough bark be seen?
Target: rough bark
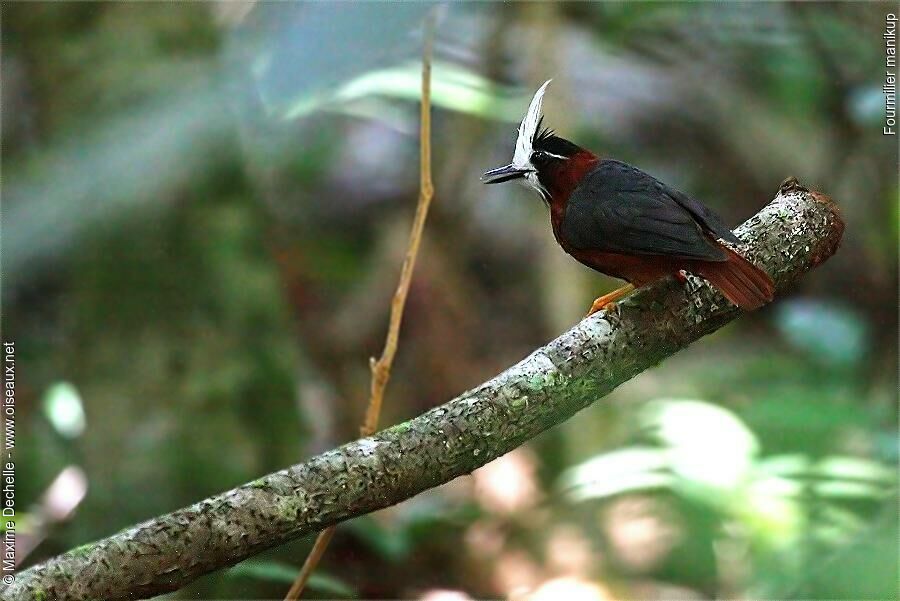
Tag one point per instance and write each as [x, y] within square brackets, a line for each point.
[795, 232]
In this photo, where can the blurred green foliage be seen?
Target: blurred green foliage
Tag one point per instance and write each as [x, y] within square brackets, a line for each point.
[205, 210]
[788, 510]
[284, 573]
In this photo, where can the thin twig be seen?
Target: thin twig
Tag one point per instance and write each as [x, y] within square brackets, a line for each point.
[381, 368]
[312, 560]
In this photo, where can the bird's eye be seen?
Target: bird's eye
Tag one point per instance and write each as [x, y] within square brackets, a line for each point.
[538, 156]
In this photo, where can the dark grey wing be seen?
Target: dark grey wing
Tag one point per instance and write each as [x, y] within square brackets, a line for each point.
[709, 220]
[619, 208]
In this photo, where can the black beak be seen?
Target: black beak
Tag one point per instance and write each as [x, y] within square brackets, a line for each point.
[502, 174]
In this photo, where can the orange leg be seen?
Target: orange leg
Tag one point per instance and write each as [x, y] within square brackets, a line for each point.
[608, 301]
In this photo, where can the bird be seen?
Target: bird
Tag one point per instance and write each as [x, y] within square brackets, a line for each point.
[623, 222]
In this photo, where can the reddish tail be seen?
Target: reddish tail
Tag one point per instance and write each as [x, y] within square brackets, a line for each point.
[742, 282]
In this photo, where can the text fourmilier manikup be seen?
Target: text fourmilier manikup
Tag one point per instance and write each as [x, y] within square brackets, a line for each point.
[890, 74]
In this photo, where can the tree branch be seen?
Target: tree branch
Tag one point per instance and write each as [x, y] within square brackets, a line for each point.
[795, 232]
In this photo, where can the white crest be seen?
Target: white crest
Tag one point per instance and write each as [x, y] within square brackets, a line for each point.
[528, 129]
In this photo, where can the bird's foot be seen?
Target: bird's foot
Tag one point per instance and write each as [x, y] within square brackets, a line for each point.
[597, 307]
[608, 301]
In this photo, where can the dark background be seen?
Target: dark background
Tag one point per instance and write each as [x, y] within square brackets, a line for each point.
[205, 211]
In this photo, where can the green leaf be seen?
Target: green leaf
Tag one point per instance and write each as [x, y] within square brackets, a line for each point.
[784, 465]
[325, 583]
[628, 470]
[703, 449]
[849, 489]
[276, 571]
[392, 544]
[770, 508]
[272, 571]
[708, 447]
[841, 467]
[452, 88]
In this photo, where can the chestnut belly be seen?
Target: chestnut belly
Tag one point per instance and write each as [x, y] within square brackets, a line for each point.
[636, 269]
